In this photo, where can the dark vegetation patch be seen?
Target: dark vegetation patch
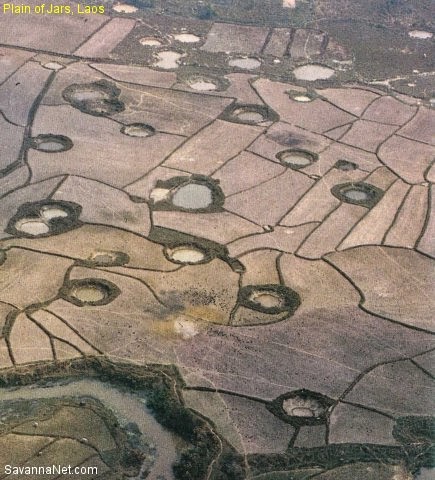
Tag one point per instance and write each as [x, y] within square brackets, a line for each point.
[173, 239]
[51, 143]
[249, 114]
[415, 430]
[89, 292]
[358, 193]
[301, 407]
[98, 98]
[209, 198]
[287, 300]
[161, 385]
[68, 219]
[125, 460]
[297, 159]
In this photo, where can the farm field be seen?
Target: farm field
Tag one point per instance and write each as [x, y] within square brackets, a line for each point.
[217, 240]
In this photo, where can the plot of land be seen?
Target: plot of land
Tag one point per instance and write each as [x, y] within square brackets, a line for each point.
[231, 202]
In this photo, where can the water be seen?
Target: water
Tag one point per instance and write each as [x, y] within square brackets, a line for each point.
[356, 195]
[193, 196]
[168, 60]
[150, 42]
[187, 38]
[296, 159]
[32, 227]
[311, 73]
[88, 294]
[203, 86]
[50, 146]
[89, 95]
[267, 299]
[127, 408]
[245, 63]
[138, 130]
[425, 474]
[250, 116]
[53, 212]
[186, 254]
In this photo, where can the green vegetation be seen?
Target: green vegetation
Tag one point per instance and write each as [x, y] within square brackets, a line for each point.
[204, 12]
[161, 386]
[231, 467]
[143, 3]
[415, 430]
[195, 460]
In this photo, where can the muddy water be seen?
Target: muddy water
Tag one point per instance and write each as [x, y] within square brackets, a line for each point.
[168, 60]
[311, 73]
[53, 212]
[245, 63]
[32, 227]
[426, 474]
[126, 407]
[186, 254]
[203, 86]
[193, 196]
[150, 42]
[187, 38]
[356, 195]
[250, 116]
[296, 159]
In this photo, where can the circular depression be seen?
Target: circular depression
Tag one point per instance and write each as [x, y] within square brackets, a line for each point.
[50, 143]
[245, 63]
[301, 97]
[150, 42]
[90, 291]
[270, 298]
[49, 212]
[127, 407]
[138, 130]
[186, 37]
[186, 254]
[301, 407]
[359, 193]
[311, 73]
[193, 196]
[249, 116]
[32, 226]
[296, 159]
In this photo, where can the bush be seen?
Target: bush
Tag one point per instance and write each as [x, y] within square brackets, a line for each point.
[205, 12]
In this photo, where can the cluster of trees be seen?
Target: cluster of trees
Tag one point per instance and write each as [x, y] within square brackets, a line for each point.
[195, 460]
